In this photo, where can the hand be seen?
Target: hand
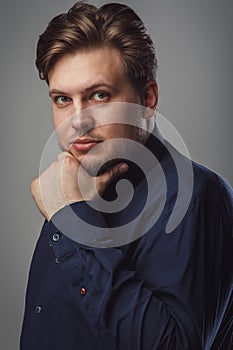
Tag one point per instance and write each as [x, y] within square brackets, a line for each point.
[59, 185]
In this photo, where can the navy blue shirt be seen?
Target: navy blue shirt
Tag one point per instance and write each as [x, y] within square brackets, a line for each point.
[161, 291]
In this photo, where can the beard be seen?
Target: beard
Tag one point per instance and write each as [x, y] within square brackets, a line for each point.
[109, 152]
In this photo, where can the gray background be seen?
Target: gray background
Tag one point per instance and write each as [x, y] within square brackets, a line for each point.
[195, 53]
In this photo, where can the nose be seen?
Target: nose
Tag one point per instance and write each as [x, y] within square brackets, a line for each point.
[83, 121]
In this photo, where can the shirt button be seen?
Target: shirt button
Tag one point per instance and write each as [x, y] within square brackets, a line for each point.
[56, 237]
[38, 309]
[83, 291]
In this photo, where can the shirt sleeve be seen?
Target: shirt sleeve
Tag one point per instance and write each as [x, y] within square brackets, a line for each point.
[122, 311]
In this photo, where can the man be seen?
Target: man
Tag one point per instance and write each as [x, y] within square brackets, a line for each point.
[148, 289]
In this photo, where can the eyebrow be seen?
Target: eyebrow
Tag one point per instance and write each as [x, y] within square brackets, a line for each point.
[87, 89]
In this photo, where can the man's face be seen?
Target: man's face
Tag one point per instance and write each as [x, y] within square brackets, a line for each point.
[80, 85]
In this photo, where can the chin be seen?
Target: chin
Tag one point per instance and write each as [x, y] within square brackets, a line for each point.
[97, 168]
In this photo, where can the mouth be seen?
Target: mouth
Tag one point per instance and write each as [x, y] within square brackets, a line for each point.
[85, 144]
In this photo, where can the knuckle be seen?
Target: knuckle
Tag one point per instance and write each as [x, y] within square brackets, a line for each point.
[52, 165]
[70, 160]
[61, 155]
[34, 185]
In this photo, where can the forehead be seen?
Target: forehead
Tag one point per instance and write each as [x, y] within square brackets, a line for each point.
[85, 67]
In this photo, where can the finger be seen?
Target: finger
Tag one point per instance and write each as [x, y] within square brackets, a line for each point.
[114, 172]
[66, 159]
[63, 155]
[34, 186]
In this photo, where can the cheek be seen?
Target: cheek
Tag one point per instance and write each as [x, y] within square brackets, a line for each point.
[60, 118]
[63, 136]
[116, 131]
[61, 126]
[109, 131]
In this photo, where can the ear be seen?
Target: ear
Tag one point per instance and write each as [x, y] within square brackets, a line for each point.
[150, 96]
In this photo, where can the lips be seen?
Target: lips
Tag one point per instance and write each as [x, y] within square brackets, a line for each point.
[84, 145]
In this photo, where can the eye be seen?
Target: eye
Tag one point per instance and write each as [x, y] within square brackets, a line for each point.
[100, 96]
[62, 100]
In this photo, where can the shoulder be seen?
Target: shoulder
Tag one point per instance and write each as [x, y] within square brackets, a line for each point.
[213, 192]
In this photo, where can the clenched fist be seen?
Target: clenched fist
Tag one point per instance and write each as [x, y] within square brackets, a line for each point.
[60, 184]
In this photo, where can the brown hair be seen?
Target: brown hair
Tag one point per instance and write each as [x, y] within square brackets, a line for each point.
[86, 27]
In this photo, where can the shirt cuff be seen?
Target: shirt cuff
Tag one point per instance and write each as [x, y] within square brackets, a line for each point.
[81, 223]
